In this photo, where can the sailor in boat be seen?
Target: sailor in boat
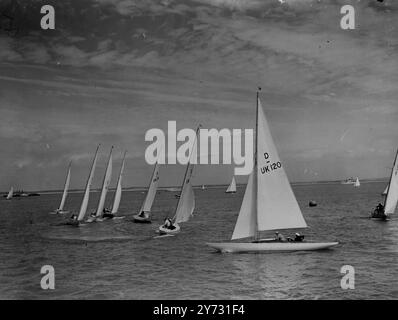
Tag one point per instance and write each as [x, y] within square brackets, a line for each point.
[379, 211]
[93, 215]
[106, 213]
[168, 224]
[280, 237]
[73, 220]
[298, 237]
[143, 215]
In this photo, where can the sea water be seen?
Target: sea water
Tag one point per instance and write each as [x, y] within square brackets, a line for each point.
[121, 260]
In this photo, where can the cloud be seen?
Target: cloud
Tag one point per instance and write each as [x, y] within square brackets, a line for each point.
[326, 92]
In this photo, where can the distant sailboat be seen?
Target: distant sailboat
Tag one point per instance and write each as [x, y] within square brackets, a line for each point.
[144, 215]
[357, 184]
[384, 193]
[232, 186]
[382, 212]
[10, 193]
[186, 202]
[77, 219]
[60, 209]
[268, 203]
[105, 187]
[203, 187]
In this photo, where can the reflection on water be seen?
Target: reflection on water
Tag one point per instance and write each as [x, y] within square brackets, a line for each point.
[122, 260]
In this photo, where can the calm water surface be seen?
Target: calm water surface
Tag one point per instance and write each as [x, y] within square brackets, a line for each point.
[121, 260]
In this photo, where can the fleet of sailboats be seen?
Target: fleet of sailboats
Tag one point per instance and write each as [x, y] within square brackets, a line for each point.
[268, 203]
[232, 186]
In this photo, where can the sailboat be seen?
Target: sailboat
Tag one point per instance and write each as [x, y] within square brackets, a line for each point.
[145, 210]
[390, 201]
[232, 186]
[268, 203]
[203, 187]
[105, 186]
[60, 209]
[384, 193]
[10, 193]
[186, 202]
[77, 219]
[117, 196]
[357, 184]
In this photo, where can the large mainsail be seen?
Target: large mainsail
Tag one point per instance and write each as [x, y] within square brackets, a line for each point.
[186, 202]
[10, 193]
[105, 185]
[66, 187]
[83, 207]
[392, 194]
[232, 186]
[118, 192]
[357, 183]
[153, 186]
[269, 202]
[277, 207]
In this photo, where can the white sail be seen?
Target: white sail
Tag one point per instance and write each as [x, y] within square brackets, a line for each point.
[246, 225]
[118, 192]
[357, 183]
[10, 193]
[105, 185]
[392, 194]
[153, 186]
[385, 191]
[232, 186]
[66, 187]
[269, 202]
[277, 207]
[186, 202]
[83, 207]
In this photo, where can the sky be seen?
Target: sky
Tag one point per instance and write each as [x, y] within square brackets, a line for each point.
[113, 69]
